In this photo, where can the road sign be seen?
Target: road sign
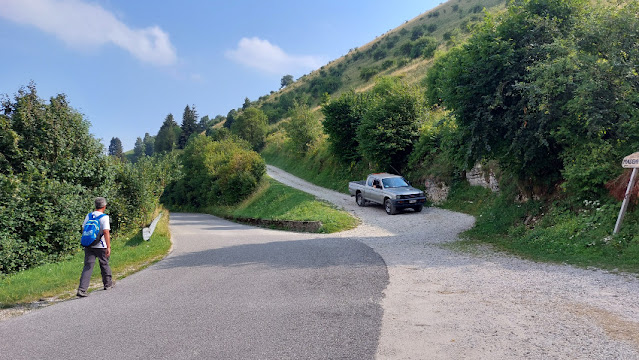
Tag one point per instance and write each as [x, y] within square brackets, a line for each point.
[631, 161]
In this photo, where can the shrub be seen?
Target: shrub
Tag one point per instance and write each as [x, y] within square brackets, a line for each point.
[215, 173]
[303, 128]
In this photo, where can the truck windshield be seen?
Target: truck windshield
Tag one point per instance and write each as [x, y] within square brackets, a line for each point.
[394, 182]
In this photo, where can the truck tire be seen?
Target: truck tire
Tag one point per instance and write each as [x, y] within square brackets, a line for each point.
[388, 206]
[360, 199]
[418, 208]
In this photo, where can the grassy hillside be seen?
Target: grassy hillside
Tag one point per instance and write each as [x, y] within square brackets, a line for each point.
[398, 52]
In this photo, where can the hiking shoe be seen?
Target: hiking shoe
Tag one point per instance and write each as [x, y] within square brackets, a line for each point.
[111, 286]
[82, 293]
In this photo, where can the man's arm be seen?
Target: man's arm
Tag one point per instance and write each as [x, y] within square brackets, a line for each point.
[107, 238]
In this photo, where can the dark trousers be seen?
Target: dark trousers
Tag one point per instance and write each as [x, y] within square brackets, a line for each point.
[90, 254]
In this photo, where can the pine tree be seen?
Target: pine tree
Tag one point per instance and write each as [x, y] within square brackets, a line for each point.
[149, 144]
[189, 125]
[138, 150]
[115, 148]
[168, 135]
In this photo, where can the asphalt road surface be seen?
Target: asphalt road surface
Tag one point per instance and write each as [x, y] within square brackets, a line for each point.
[227, 291]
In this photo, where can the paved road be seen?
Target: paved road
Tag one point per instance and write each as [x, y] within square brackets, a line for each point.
[227, 291]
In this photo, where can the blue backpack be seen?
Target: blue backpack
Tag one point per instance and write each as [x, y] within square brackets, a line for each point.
[91, 231]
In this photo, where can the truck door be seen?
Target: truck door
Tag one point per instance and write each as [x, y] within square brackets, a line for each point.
[376, 191]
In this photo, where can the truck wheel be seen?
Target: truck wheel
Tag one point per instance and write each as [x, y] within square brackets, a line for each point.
[418, 208]
[388, 206]
[360, 199]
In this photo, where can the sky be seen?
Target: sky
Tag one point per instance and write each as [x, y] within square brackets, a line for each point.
[126, 64]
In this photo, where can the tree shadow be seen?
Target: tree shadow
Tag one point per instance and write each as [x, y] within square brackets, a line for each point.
[300, 254]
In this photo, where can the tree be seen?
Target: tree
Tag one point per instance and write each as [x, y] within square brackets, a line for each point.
[230, 118]
[168, 135]
[342, 118]
[303, 127]
[247, 104]
[115, 148]
[390, 124]
[149, 144]
[286, 81]
[139, 150]
[251, 125]
[189, 125]
[204, 123]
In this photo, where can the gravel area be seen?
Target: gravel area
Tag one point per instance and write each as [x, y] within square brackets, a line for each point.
[447, 304]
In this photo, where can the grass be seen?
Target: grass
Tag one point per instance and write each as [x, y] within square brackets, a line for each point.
[276, 201]
[550, 232]
[318, 166]
[130, 253]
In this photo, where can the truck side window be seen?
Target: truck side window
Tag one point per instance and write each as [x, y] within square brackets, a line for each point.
[370, 182]
[376, 184]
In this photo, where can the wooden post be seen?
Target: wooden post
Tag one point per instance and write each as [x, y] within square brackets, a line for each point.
[626, 199]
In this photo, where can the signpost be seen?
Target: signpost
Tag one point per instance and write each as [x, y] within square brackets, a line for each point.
[629, 162]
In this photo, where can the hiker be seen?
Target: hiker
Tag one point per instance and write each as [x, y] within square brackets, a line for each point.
[100, 248]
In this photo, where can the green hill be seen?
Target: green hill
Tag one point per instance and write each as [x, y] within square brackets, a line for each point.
[405, 51]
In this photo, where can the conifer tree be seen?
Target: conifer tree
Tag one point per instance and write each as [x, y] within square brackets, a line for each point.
[115, 148]
[189, 125]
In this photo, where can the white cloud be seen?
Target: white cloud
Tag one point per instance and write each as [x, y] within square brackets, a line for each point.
[81, 25]
[264, 56]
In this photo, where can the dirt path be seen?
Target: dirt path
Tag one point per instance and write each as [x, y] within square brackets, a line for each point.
[445, 304]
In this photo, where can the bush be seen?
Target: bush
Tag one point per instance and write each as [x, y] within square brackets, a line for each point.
[303, 128]
[390, 124]
[215, 173]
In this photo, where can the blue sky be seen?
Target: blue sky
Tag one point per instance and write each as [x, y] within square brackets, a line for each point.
[126, 64]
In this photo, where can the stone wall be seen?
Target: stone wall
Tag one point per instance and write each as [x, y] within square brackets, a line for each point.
[300, 226]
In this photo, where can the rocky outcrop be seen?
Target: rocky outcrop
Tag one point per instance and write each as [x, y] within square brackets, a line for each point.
[436, 191]
[483, 176]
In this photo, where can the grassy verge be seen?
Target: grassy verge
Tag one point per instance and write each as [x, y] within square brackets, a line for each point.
[554, 232]
[130, 253]
[318, 166]
[275, 201]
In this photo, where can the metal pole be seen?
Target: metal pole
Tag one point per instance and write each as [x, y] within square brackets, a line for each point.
[626, 199]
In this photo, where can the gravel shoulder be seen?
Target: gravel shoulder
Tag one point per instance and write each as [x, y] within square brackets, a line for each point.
[443, 304]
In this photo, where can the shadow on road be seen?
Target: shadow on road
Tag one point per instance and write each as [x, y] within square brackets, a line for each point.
[315, 253]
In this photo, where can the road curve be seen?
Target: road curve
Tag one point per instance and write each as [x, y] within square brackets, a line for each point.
[478, 304]
[227, 291]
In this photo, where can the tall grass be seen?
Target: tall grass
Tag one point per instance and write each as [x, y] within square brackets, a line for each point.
[551, 232]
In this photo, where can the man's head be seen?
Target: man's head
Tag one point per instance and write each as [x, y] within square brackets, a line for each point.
[100, 203]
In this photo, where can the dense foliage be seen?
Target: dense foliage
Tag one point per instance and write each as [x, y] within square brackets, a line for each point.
[380, 126]
[303, 128]
[550, 89]
[215, 173]
[52, 168]
[250, 125]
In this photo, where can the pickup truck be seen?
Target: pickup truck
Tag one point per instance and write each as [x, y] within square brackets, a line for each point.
[392, 191]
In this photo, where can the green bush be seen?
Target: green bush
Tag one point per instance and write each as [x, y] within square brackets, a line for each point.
[390, 124]
[215, 173]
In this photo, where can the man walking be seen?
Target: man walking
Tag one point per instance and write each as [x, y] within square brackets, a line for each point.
[101, 250]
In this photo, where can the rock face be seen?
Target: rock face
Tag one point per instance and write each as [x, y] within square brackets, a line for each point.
[482, 176]
[436, 191]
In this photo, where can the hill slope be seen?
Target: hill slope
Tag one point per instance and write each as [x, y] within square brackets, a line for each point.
[405, 51]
